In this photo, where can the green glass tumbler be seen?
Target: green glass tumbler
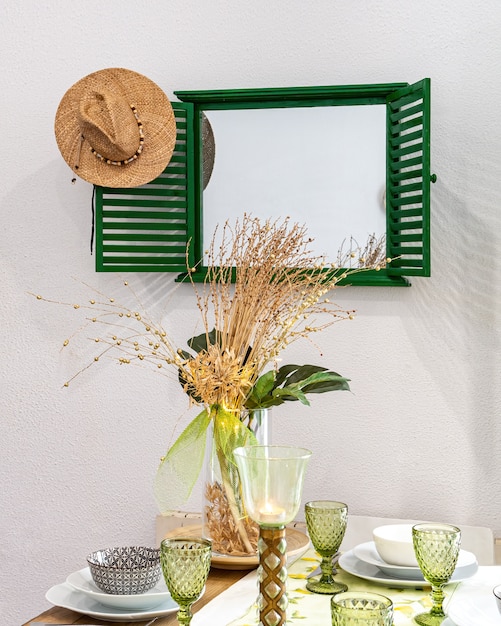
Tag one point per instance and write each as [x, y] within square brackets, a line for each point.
[437, 549]
[359, 608]
[326, 522]
[185, 565]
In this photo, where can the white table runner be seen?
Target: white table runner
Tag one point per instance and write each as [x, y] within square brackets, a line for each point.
[236, 605]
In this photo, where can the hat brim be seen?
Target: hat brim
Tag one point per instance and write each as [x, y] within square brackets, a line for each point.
[154, 110]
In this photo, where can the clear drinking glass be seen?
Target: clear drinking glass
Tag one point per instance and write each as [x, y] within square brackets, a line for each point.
[326, 521]
[437, 550]
[185, 566]
[358, 608]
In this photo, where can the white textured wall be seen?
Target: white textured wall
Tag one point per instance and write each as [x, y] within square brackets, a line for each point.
[420, 436]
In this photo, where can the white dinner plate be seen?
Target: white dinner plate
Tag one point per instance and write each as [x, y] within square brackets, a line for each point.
[473, 603]
[368, 553]
[69, 598]
[353, 565]
[82, 581]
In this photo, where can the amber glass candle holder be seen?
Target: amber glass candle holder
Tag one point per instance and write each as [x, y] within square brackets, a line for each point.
[272, 483]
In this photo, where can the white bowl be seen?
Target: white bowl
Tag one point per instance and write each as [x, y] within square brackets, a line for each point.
[83, 583]
[497, 594]
[394, 544]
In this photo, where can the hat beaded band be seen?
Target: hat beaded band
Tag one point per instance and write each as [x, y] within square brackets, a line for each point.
[136, 153]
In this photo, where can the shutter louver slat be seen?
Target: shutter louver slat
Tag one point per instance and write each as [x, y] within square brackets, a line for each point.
[396, 239]
[410, 174]
[404, 200]
[147, 229]
[415, 212]
[408, 180]
[409, 187]
[156, 237]
[410, 225]
[406, 138]
[133, 226]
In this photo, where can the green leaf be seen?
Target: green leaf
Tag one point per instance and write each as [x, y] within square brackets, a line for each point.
[200, 342]
[266, 403]
[264, 384]
[323, 382]
[293, 382]
[291, 393]
[261, 388]
[334, 385]
[284, 371]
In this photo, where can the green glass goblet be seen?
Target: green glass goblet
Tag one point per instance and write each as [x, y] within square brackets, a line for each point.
[437, 550]
[326, 522]
[185, 566]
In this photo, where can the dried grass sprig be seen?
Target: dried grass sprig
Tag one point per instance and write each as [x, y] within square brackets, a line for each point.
[264, 290]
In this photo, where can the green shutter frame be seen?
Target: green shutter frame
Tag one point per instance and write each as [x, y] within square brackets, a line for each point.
[408, 180]
[147, 228]
[150, 228]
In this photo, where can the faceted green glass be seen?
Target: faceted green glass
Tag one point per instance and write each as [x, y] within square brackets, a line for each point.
[437, 550]
[357, 608]
[326, 522]
[185, 566]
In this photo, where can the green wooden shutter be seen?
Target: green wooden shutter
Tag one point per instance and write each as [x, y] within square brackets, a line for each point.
[147, 228]
[408, 180]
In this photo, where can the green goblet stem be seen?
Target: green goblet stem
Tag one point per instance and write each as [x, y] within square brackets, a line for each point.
[438, 597]
[327, 571]
[184, 615]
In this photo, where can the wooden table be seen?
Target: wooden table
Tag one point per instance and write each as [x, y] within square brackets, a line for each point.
[218, 581]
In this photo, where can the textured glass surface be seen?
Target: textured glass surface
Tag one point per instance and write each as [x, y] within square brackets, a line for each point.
[326, 522]
[437, 550]
[185, 565]
[361, 609]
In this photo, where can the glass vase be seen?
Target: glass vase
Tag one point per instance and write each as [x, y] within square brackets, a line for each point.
[225, 520]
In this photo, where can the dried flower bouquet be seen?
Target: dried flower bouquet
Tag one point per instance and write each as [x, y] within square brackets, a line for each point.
[264, 289]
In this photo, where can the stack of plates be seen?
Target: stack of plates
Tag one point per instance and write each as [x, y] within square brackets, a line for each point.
[80, 594]
[364, 561]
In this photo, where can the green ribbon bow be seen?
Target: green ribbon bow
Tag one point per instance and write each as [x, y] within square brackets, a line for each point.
[180, 468]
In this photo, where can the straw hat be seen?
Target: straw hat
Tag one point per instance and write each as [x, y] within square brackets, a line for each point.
[116, 128]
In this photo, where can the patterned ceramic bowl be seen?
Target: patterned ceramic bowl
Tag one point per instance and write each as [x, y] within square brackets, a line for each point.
[125, 571]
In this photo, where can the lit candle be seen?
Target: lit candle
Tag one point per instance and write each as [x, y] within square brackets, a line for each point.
[270, 514]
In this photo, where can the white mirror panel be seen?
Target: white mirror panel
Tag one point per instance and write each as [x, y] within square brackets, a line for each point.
[323, 166]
